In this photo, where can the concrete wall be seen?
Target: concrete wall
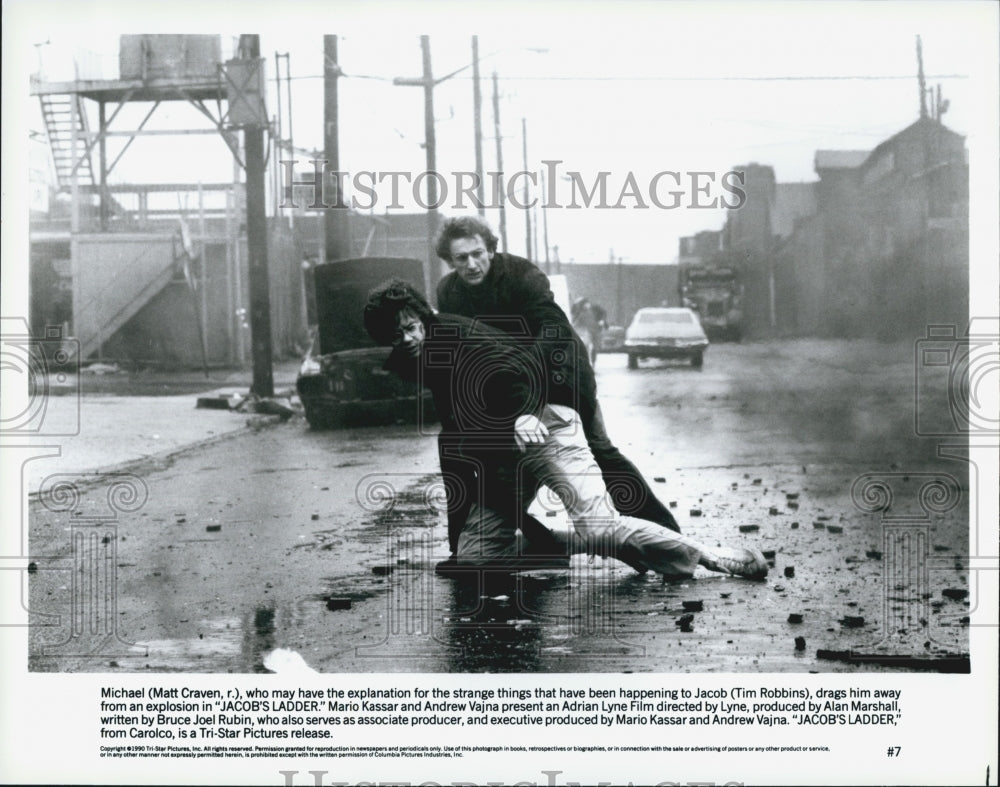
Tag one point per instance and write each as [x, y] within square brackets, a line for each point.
[170, 328]
[113, 277]
[622, 289]
[885, 255]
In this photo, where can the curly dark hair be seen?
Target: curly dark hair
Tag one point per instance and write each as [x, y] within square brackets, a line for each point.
[463, 227]
[386, 301]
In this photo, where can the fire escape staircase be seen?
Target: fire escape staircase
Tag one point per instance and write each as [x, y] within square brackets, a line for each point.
[100, 307]
[58, 112]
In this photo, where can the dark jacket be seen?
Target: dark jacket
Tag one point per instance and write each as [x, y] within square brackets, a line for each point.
[516, 298]
[481, 380]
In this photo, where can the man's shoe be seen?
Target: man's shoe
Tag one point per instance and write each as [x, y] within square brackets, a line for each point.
[749, 563]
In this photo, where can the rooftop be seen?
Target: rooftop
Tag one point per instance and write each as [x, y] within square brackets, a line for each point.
[839, 159]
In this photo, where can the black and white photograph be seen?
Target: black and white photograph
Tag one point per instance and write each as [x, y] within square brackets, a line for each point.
[614, 385]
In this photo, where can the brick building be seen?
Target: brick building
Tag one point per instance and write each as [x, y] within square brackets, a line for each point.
[877, 246]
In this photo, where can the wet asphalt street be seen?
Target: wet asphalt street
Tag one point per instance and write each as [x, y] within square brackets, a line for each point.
[324, 542]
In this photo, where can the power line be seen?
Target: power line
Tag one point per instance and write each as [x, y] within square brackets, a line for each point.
[661, 78]
[665, 78]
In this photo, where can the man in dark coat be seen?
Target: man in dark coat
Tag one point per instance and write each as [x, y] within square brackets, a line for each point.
[513, 295]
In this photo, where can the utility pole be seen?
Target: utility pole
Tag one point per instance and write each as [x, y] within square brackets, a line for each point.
[430, 143]
[477, 100]
[499, 138]
[545, 223]
[527, 193]
[334, 218]
[920, 80]
[103, 158]
[260, 296]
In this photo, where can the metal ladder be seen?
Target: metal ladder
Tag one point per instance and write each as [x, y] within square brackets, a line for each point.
[57, 111]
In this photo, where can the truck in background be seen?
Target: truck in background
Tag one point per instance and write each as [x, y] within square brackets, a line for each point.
[711, 285]
[716, 294]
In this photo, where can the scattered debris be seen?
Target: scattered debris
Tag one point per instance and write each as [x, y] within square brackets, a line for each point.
[955, 663]
[219, 402]
[258, 422]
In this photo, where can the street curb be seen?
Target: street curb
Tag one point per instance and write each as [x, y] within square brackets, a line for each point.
[164, 459]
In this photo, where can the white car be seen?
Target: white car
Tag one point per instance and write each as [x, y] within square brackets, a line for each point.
[665, 333]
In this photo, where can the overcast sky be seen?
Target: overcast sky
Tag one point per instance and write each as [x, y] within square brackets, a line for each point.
[620, 88]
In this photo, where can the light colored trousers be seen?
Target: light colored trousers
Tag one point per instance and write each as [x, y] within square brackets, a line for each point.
[565, 464]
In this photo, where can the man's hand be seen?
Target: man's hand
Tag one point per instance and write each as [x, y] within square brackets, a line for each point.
[528, 429]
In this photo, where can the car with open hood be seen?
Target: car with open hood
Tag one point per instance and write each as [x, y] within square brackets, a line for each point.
[665, 332]
[342, 380]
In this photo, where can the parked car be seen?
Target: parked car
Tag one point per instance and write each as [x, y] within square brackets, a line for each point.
[341, 380]
[665, 333]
